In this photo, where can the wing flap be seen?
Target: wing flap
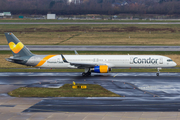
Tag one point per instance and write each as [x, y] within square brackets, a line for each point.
[83, 65]
[86, 65]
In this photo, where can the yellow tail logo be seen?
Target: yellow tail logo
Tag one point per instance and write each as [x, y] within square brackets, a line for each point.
[16, 47]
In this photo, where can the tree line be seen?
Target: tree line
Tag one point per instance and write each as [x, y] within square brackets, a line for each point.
[108, 7]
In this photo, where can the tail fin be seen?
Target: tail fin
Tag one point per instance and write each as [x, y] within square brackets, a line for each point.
[18, 49]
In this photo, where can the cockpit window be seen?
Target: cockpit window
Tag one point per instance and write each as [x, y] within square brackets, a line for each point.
[169, 60]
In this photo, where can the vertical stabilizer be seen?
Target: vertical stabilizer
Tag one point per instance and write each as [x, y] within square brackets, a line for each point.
[18, 49]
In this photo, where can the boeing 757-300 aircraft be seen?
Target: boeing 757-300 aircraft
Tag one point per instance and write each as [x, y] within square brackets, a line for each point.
[91, 63]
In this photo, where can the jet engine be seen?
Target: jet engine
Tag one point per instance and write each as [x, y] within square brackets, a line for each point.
[101, 69]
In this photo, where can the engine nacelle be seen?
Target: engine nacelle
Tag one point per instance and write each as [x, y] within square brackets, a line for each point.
[101, 69]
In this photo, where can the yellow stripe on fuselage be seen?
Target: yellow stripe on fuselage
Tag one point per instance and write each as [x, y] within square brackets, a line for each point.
[44, 60]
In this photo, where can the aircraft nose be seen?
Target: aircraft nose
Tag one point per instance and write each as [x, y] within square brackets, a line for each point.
[175, 64]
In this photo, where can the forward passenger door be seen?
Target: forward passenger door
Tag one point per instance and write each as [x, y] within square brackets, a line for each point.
[161, 60]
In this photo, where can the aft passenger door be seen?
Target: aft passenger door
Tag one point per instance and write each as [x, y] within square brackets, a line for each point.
[131, 60]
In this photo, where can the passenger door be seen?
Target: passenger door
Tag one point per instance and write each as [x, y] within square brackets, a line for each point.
[131, 60]
[161, 60]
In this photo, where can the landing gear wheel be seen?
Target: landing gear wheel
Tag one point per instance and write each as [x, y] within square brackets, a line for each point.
[86, 74]
[83, 74]
[157, 74]
[89, 73]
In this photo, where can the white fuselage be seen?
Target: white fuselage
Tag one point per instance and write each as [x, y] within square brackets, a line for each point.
[113, 61]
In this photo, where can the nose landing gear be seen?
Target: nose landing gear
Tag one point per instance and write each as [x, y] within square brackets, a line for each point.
[157, 74]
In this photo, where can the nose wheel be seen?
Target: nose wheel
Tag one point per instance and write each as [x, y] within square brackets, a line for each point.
[157, 74]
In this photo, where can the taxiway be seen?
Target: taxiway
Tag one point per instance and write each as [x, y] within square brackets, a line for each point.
[139, 91]
[144, 96]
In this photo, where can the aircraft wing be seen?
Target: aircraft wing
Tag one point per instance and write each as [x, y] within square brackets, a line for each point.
[83, 65]
[80, 65]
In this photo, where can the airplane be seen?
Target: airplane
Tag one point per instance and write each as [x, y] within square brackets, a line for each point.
[90, 63]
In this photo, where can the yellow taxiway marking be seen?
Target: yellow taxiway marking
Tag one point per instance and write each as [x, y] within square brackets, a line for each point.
[115, 75]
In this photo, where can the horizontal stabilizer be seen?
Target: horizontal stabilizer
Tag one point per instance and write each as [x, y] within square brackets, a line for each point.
[13, 59]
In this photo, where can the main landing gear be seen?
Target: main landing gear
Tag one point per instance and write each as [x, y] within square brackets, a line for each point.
[157, 74]
[87, 72]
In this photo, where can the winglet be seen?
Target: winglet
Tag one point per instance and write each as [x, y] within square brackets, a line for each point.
[76, 53]
[64, 59]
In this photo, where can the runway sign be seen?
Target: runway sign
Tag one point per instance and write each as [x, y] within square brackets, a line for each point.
[79, 86]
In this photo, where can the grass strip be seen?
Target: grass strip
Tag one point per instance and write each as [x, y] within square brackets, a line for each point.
[66, 90]
[41, 70]
[94, 34]
[28, 20]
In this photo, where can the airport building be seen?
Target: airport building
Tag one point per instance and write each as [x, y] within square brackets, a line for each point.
[74, 1]
[5, 15]
[51, 16]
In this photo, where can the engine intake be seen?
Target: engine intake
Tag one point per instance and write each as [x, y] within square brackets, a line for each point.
[101, 69]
